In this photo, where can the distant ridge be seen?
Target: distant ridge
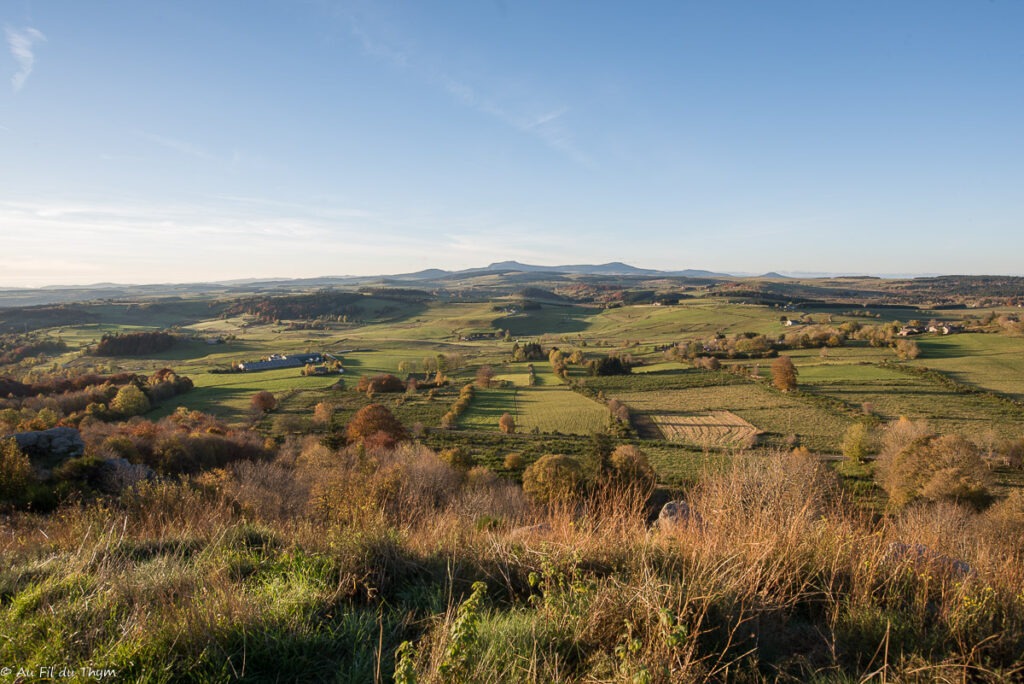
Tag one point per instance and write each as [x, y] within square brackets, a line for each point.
[613, 268]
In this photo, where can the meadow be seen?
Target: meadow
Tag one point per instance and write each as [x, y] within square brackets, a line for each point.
[345, 558]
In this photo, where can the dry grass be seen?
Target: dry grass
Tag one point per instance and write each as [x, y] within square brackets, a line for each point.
[316, 566]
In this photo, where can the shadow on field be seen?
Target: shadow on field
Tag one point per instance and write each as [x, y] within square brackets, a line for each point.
[939, 348]
[227, 403]
[491, 404]
[549, 319]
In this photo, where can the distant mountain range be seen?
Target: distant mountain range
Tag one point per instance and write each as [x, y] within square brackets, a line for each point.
[510, 272]
[614, 268]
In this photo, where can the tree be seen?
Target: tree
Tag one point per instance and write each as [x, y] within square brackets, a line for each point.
[323, 413]
[130, 401]
[610, 365]
[484, 376]
[263, 402]
[458, 458]
[552, 478]
[507, 423]
[784, 374]
[375, 421]
[935, 468]
[856, 442]
[907, 350]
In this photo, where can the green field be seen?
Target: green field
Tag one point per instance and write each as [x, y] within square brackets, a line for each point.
[547, 407]
[994, 362]
[779, 415]
[835, 384]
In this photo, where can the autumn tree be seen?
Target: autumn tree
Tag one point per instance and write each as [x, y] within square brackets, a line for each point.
[484, 376]
[784, 374]
[935, 468]
[323, 413]
[856, 442]
[907, 350]
[130, 401]
[507, 423]
[263, 402]
[376, 423]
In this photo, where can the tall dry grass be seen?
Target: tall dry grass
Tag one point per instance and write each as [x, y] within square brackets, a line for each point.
[317, 565]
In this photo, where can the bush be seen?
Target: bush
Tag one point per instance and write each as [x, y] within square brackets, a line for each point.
[380, 383]
[856, 442]
[130, 401]
[375, 421]
[513, 461]
[16, 473]
[936, 468]
[553, 478]
[507, 423]
[630, 465]
[458, 458]
[263, 402]
[610, 365]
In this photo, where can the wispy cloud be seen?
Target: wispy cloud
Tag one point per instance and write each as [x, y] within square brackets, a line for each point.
[175, 145]
[21, 44]
[544, 123]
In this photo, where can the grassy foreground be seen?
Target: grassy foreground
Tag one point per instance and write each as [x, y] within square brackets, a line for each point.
[322, 565]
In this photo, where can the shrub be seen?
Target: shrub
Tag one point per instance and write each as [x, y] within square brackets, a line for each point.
[856, 444]
[935, 468]
[376, 421]
[630, 465]
[130, 401]
[553, 478]
[507, 423]
[16, 472]
[458, 458]
[907, 349]
[263, 402]
[610, 365]
[380, 383]
[513, 461]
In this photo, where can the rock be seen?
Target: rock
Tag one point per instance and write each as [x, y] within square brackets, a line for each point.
[55, 444]
[676, 515]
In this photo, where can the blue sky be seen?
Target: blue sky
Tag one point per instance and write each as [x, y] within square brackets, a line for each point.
[185, 140]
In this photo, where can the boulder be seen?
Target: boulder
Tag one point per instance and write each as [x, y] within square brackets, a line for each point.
[676, 515]
[55, 444]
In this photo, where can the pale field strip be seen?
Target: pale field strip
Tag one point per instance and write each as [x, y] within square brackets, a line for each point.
[711, 428]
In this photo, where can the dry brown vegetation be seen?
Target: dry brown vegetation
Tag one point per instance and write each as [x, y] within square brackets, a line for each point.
[318, 564]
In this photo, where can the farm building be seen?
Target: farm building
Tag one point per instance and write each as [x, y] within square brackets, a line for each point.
[275, 361]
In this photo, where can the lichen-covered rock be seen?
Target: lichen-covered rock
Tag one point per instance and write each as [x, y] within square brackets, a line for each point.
[59, 443]
[677, 515]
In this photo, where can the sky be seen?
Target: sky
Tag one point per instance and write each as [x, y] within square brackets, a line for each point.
[189, 140]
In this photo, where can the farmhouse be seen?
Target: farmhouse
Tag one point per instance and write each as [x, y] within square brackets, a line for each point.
[275, 361]
[945, 329]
